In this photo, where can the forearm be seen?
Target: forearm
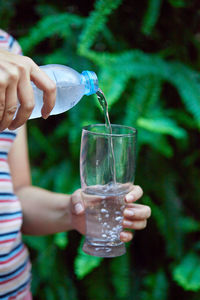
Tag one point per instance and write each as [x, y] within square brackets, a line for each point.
[44, 212]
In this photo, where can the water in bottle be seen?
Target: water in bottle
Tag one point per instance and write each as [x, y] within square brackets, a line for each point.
[71, 87]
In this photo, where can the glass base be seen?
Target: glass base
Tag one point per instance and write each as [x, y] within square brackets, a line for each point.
[104, 250]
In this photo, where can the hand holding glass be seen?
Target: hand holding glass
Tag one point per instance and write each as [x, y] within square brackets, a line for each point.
[107, 168]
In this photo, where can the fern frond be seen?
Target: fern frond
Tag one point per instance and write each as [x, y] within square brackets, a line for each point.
[61, 239]
[178, 3]
[155, 286]
[48, 26]
[156, 141]
[162, 125]
[187, 273]
[112, 84]
[151, 16]
[137, 64]
[134, 108]
[42, 141]
[154, 95]
[188, 224]
[84, 264]
[185, 80]
[120, 273]
[145, 94]
[95, 22]
[58, 56]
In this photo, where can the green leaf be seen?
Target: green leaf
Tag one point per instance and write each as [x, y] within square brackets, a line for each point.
[151, 16]
[156, 141]
[187, 84]
[60, 181]
[61, 239]
[178, 3]
[112, 84]
[121, 273]
[144, 98]
[188, 224]
[85, 264]
[187, 273]
[95, 22]
[163, 126]
[42, 141]
[155, 286]
[60, 24]
[36, 242]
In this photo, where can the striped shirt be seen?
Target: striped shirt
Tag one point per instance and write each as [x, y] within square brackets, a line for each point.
[15, 268]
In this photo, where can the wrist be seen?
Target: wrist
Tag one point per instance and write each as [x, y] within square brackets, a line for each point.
[64, 212]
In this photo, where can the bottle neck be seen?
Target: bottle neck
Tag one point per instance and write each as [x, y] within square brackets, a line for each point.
[90, 81]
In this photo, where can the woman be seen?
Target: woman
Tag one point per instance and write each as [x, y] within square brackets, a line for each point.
[23, 207]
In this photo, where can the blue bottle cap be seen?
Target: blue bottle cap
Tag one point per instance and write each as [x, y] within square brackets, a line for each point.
[90, 82]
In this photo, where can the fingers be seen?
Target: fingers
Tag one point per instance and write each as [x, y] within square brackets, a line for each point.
[77, 202]
[2, 101]
[137, 211]
[134, 195]
[135, 216]
[16, 73]
[126, 236]
[44, 83]
[26, 107]
[137, 225]
[10, 106]
[8, 94]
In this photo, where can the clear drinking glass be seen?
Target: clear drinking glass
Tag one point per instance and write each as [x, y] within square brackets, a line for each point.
[107, 168]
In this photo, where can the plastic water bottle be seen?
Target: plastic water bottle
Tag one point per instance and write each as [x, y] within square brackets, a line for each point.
[71, 87]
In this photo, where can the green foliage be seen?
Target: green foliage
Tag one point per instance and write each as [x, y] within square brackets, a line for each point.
[85, 263]
[151, 16]
[146, 56]
[61, 240]
[156, 286]
[95, 22]
[187, 273]
[60, 24]
[121, 274]
[178, 3]
[163, 126]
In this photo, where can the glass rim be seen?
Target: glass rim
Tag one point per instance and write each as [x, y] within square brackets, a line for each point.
[132, 132]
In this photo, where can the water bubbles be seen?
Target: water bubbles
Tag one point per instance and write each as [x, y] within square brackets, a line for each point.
[114, 229]
[108, 249]
[118, 219]
[119, 227]
[104, 211]
[118, 212]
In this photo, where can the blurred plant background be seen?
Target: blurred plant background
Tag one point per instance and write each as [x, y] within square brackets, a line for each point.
[146, 55]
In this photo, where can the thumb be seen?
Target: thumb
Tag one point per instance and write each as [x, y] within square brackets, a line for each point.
[77, 202]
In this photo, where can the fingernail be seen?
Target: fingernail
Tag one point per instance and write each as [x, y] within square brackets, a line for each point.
[45, 116]
[11, 127]
[78, 208]
[123, 236]
[129, 213]
[127, 223]
[129, 198]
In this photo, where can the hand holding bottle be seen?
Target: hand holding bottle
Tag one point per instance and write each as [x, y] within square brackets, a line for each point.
[16, 74]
